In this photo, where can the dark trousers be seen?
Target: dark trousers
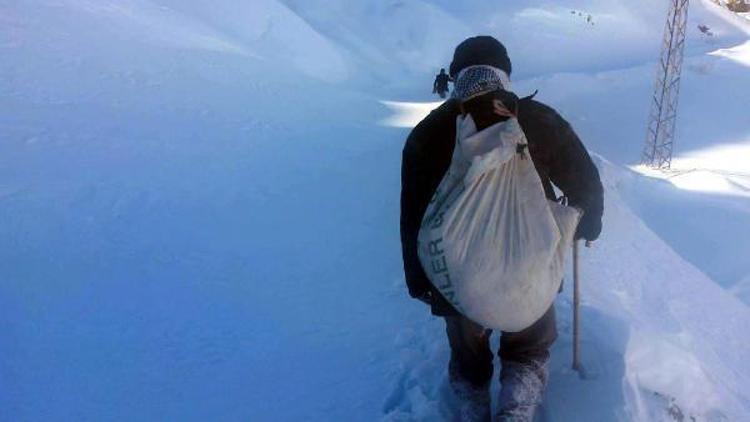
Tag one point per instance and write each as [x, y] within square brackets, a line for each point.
[471, 357]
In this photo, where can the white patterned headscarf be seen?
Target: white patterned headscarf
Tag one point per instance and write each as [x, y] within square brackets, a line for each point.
[479, 79]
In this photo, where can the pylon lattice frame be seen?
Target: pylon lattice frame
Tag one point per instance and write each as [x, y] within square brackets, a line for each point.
[657, 152]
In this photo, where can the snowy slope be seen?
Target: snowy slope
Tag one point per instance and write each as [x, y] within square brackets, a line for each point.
[151, 197]
[201, 210]
[382, 38]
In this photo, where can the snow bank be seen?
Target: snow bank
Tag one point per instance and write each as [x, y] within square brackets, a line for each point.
[585, 35]
[117, 30]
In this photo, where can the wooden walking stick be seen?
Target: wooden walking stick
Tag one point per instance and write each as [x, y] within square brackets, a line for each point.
[576, 309]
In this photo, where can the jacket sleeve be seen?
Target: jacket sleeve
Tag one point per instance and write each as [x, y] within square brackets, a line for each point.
[573, 171]
[414, 200]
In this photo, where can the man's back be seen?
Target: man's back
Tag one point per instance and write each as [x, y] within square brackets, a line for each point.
[558, 155]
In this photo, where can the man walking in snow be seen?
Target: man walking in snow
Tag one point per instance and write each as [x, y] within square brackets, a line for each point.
[481, 66]
[440, 86]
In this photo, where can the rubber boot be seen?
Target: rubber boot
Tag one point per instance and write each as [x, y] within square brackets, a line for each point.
[473, 404]
[522, 391]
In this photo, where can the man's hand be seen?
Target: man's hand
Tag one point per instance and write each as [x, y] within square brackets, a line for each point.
[589, 228]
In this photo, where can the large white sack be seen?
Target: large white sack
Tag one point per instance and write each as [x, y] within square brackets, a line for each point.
[490, 241]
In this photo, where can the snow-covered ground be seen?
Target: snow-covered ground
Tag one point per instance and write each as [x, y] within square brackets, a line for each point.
[200, 207]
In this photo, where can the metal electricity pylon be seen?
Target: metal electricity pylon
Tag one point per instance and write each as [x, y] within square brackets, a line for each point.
[661, 124]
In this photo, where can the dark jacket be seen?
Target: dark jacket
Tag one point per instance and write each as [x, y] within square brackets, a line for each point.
[558, 154]
[441, 82]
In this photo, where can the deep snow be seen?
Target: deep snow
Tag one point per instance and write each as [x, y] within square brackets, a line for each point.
[201, 209]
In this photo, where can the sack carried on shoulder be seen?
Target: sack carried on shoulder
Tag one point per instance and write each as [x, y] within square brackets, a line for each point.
[490, 241]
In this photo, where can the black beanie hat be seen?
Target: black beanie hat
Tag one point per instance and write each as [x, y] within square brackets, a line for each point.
[481, 50]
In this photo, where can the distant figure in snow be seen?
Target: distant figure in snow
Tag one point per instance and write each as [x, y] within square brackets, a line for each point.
[440, 86]
[705, 30]
[481, 75]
